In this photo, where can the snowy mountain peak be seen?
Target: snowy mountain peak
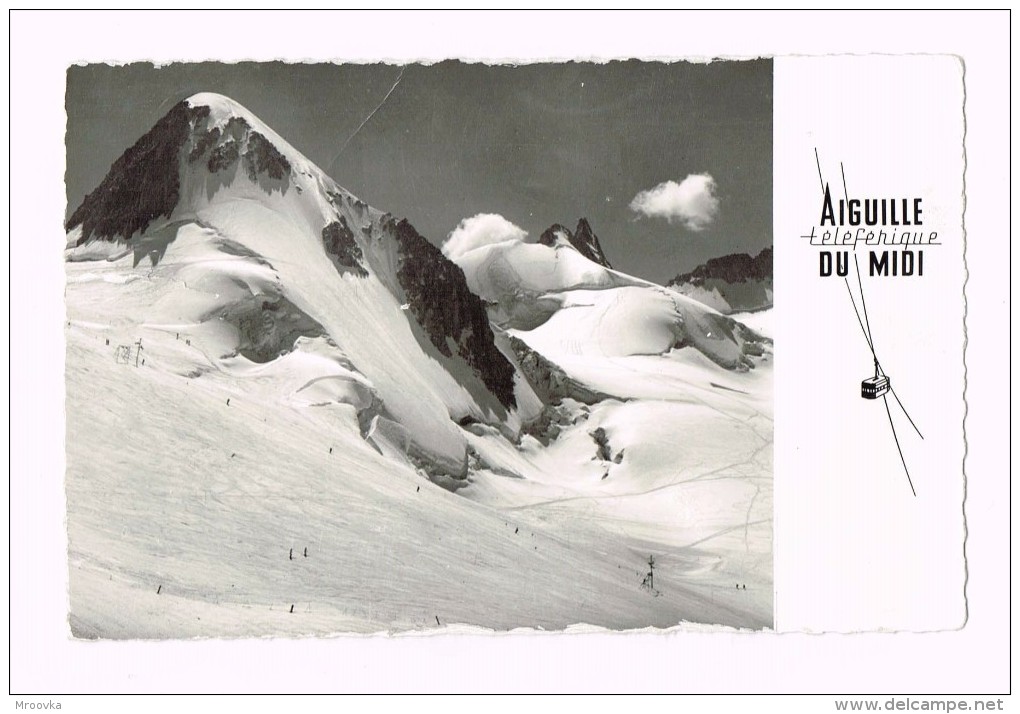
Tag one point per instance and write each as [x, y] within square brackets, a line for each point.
[221, 107]
[587, 243]
[268, 253]
[222, 110]
[193, 152]
[555, 235]
[583, 240]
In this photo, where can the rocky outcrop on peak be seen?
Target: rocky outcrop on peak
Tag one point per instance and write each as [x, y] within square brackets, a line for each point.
[548, 380]
[583, 240]
[587, 243]
[238, 141]
[732, 283]
[142, 185]
[733, 268]
[338, 242]
[454, 318]
[551, 235]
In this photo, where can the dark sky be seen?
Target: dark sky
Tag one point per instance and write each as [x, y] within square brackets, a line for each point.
[538, 144]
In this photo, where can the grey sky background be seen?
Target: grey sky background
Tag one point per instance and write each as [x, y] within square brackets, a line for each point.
[538, 144]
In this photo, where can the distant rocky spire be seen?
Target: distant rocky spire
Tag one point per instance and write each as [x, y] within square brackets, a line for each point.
[587, 243]
[583, 240]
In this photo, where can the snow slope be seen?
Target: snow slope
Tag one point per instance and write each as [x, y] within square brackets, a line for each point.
[254, 371]
[686, 422]
[171, 489]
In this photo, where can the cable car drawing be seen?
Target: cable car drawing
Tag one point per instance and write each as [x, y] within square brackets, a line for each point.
[874, 387]
[879, 386]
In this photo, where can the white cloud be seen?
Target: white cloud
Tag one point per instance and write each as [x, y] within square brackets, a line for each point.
[692, 201]
[478, 231]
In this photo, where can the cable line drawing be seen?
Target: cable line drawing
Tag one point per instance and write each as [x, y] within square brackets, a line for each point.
[879, 385]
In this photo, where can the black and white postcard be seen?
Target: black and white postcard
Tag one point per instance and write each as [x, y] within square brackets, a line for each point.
[669, 347]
